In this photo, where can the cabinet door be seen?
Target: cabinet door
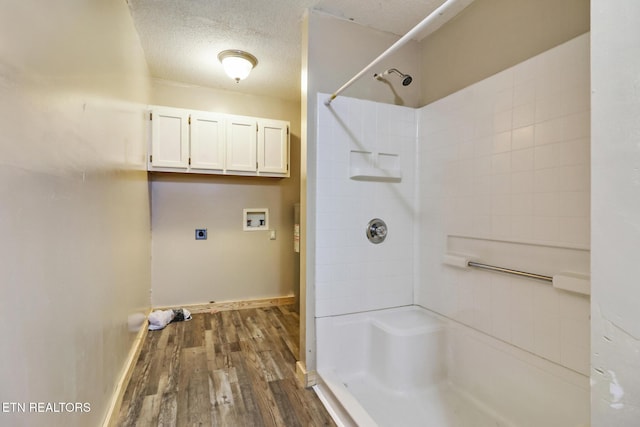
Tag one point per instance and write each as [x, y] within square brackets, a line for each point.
[169, 138]
[207, 141]
[273, 146]
[241, 144]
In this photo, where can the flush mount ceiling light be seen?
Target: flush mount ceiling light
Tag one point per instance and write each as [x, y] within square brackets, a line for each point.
[237, 63]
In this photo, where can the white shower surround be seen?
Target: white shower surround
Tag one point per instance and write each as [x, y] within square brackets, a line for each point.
[502, 163]
[353, 274]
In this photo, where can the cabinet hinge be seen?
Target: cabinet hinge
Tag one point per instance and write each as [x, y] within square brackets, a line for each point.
[151, 158]
[150, 116]
[189, 119]
[287, 130]
[189, 161]
[256, 127]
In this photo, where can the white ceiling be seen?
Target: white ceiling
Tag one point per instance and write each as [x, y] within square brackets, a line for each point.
[181, 38]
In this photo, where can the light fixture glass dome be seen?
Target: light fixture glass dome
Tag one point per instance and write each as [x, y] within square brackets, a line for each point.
[237, 63]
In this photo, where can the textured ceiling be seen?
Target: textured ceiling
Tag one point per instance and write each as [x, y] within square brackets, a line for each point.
[181, 38]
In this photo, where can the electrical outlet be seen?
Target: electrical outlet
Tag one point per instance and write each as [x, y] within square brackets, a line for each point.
[272, 234]
[201, 234]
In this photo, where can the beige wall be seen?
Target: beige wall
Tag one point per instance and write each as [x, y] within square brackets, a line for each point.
[181, 95]
[492, 35]
[231, 264]
[74, 209]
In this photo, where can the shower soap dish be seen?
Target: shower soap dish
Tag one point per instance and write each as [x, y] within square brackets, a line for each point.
[374, 166]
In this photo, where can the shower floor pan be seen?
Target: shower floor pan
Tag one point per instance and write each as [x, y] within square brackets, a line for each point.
[408, 366]
[388, 368]
[437, 406]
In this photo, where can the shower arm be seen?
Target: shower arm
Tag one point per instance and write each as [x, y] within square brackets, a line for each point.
[433, 16]
[386, 72]
[394, 70]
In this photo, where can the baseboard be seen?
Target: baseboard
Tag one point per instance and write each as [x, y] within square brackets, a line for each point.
[113, 411]
[305, 378]
[234, 305]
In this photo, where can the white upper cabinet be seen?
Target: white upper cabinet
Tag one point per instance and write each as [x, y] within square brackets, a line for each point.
[241, 144]
[273, 146]
[170, 130]
[202, 142]
[207, 141]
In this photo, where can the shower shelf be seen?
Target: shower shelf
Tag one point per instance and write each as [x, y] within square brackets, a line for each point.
[376, 174]
[374, 166]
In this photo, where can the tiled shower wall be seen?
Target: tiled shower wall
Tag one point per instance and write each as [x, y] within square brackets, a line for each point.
[353, 274]
[504, 162]
[510, 155]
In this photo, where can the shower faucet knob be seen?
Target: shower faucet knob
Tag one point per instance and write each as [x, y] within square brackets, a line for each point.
[376, 230]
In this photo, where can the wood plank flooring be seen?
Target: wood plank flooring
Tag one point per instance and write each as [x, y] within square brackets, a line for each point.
[230, 368]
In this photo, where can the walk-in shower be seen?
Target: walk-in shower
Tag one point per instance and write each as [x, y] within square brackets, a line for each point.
[404, 334]
[497, 172]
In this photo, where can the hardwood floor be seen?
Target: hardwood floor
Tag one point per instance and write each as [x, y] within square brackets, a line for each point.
[230, 368]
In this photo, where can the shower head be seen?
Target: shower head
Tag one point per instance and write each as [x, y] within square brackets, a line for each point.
[406, 78]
